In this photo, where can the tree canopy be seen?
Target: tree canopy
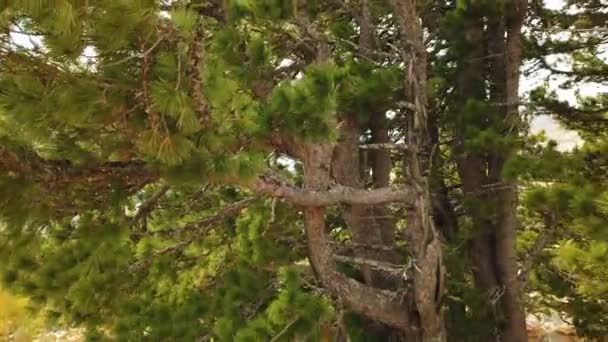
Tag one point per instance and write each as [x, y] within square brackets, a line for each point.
[268, 170]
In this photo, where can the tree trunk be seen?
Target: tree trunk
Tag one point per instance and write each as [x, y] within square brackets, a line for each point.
[472, 166]
[381, 159]
[366, 231]
[492, 248]
[422, 235]
[382, 306]
[419, 314]
[381, 164]
[515, 328]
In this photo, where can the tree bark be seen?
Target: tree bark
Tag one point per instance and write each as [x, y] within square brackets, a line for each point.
[417, 312]
[380, 305]
[381, 164]
[361, 219]
[493, 246]
[422, 235]
[515, 328]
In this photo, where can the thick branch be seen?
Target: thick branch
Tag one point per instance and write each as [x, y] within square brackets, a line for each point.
[335, 195]
[381, 305]
[59, 180]
[379, 265]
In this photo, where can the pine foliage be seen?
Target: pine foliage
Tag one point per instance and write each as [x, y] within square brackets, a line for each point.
[132, 135]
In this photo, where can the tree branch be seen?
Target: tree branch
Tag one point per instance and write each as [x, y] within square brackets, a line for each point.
[285, 329]
[383, 146]
[146, 207]
[200, 228]
[138, 55]
[274, 187]
[379, 265]
[56, 180]
[228, 211]
[203, 226]
[545, 237]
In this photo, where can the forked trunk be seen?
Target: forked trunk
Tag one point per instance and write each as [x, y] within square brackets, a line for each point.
[417, 312]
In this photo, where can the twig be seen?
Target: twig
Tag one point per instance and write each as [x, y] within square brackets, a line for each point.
[179, 72]
[366, 50]
[284, 331]
[495, 295]
[139, 55]
[354, 245]
[203, 226]
[273, 205]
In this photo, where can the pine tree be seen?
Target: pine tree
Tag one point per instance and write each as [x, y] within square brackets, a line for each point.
[273, 170]
[569, 206]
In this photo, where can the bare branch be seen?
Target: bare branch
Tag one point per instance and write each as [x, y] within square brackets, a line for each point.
[383, 146]
[354, 245]
[284, 331]
[139, 55]
[274, 187]
[379, 265]
[290, 68]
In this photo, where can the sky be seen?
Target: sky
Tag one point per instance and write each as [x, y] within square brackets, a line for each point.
[554, 4]
[566, 139]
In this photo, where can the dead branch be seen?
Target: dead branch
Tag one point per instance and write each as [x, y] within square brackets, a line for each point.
[384, 146]
[379, 265]
[274, 187]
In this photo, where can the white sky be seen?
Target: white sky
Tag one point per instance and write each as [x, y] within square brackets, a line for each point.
[554, 4]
